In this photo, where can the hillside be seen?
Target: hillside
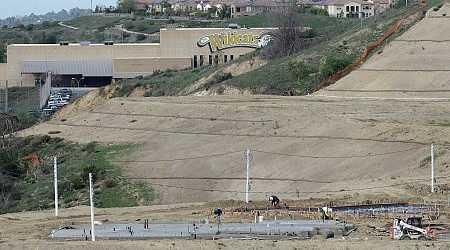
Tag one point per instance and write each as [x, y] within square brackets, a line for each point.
[360, 149]
[413, 65]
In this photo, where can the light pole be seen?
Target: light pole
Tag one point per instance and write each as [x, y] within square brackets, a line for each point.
[121, 28]
[78, 81]
[78, 84]
[42, 97]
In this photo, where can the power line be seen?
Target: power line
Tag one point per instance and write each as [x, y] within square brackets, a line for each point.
[338, 157]
[290, 136]
[181, 117]
[224, 178]
[275, 153]
[183, 159]
[287, 193]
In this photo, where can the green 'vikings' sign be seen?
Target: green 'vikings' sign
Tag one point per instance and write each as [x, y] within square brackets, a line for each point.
[226, 40]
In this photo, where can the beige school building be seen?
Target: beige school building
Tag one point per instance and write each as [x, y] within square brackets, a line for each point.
[92, 65]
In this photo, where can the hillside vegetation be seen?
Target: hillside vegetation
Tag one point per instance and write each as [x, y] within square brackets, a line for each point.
[297, 74]
[26, 186]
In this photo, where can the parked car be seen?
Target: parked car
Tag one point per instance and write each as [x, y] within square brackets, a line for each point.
[59, 96]
[57, 102]
[65, 91]
[46, 111]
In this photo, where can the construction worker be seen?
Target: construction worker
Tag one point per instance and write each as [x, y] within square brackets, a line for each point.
[327, 213]
[218, 212]
[274, 200]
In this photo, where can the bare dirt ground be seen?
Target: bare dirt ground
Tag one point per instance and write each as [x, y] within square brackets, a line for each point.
[30, 230]
[364, 139]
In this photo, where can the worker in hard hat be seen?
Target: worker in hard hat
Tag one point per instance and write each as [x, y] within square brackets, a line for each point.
[274, 200]
[218, 212]
[327, 213]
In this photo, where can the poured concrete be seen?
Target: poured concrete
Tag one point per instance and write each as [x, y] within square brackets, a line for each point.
[298, 228]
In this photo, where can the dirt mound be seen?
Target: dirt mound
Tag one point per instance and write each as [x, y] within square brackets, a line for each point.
[92, 98]
[235, 69]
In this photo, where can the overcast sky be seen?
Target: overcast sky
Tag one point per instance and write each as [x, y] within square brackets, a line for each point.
[38, 7]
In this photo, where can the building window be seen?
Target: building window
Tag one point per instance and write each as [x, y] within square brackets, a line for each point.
[225, 58]
[210, 60]
[231, 57]
[195, 62]
[216, 59]
[201, 60]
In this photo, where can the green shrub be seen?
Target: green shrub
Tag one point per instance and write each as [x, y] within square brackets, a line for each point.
[97, 172]
[141, 37]
[333, 65]
[90, 147]
[156, 72]
[159, 92]
[220, 90]
[40, 140]
[110, 183]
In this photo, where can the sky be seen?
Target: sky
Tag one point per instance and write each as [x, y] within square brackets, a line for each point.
[38, 7]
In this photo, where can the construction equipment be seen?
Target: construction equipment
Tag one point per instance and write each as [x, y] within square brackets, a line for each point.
[411, 229]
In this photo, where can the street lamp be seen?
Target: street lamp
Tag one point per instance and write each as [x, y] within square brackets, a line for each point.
[78, 84]
[78, 81]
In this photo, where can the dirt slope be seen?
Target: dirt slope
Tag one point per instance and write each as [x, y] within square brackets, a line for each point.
[413, 65]
[366, 137]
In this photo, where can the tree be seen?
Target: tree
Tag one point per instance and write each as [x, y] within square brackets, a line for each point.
[212, 12]
[126, 6]
[8, 125]
[224, 12]
[286, 20]
[289, 37]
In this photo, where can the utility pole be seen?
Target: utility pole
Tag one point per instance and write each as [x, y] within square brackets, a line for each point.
[432, 168]
[91, 194]
[248, 156]
[55, 173]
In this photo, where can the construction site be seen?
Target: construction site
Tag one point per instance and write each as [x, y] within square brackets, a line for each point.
[359, 164]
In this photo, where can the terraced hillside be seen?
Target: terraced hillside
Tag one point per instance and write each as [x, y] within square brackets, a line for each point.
[367, 137]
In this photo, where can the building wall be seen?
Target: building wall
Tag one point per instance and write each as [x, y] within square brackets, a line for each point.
[72, 52]
[183, 42]
[146, 65]
[178, 48]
